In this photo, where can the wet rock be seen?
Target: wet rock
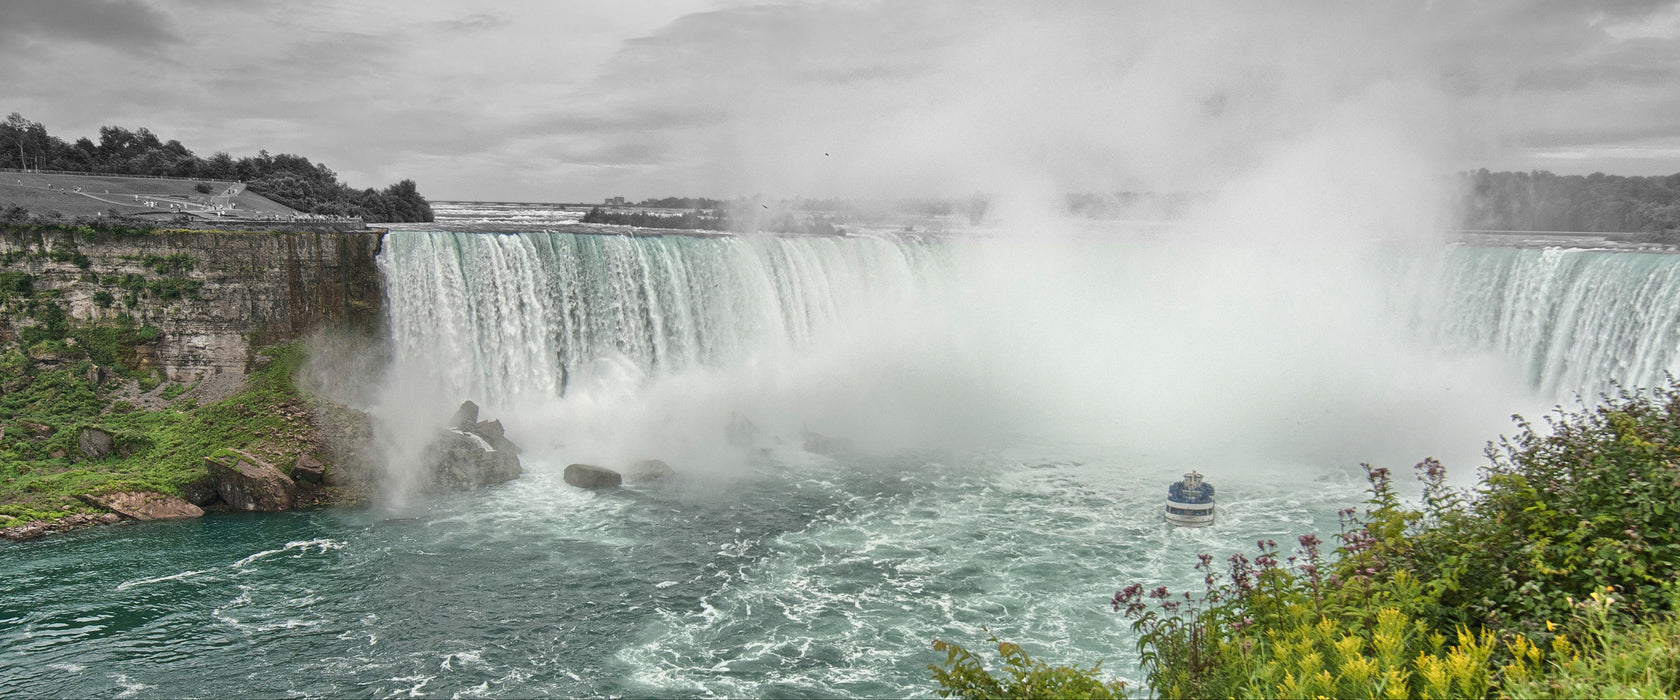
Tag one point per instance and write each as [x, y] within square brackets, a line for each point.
[588, 476]
[308, 470]
[470, 454]
[95, 443]
[465, 417]
[649, 471]
[143, 505]
[247, 483]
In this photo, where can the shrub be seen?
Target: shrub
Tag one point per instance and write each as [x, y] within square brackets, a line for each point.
[963, 676]
[1591, 502]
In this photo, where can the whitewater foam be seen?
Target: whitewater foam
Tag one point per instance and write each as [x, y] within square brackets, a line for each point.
[172, 577]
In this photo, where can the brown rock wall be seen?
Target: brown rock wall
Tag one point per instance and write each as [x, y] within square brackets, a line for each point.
[240, 289]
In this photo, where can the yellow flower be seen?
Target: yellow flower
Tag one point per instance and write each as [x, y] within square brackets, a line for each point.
[1549, 626]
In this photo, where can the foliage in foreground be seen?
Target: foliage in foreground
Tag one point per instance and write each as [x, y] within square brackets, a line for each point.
[963, 676]
[1555, 578]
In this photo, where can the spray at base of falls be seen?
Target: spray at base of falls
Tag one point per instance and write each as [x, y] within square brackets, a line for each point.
[1175, 352]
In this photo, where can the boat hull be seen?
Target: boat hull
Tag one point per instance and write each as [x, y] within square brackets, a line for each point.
[1189, 514]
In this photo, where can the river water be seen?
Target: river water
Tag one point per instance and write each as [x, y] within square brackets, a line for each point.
[882, 441]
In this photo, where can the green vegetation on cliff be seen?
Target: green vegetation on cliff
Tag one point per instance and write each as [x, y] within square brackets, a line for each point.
[1556, 577]
[53, 392]
[289, 179]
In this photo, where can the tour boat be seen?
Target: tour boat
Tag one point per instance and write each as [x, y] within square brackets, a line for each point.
[1190, 502]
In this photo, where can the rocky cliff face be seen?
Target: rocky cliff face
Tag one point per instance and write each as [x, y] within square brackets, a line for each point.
[213, 295]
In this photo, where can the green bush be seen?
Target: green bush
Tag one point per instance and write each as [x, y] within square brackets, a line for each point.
[1590, 502]
[963, 676]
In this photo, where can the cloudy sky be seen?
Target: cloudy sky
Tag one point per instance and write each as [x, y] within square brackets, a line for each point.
[540, 100]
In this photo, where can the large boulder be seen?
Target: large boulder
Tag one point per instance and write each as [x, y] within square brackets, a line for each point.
[96, 443]
[144, 505]
[470, 454]
[589, 476]
[649, 471]
[307, 469]
[247, 483]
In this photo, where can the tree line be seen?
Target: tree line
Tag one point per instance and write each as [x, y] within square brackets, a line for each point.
[289, 179]
[1542, 201]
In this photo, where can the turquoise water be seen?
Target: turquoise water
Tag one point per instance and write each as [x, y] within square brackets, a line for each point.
[822, 580]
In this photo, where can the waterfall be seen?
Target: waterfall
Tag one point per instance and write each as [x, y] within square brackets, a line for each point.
[1179, 351]
[506, 317]
[1574, 321]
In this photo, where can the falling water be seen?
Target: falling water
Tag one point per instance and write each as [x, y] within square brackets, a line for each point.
[1321, 357]
[1574, 321]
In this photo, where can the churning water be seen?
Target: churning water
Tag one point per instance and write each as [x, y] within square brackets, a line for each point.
[883, 440]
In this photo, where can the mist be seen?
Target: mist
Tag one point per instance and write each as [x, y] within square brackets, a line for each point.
[1267, 328]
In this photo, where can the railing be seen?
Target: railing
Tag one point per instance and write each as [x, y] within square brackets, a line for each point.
[87, 174]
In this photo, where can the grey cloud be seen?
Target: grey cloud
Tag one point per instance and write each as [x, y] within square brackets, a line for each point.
[476, 22]
[121, 24]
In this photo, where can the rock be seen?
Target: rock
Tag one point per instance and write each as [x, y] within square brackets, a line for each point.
[247, 483]
[741, 432]
[585, 476]
[459, 460]
[488, 429]
[308, 470]
[96, 443]
[35, 430]
[143, 505]
[97, 375]
[820, 444]
[466, 417]
[26, 531]
[200, 493]
[649, 471]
